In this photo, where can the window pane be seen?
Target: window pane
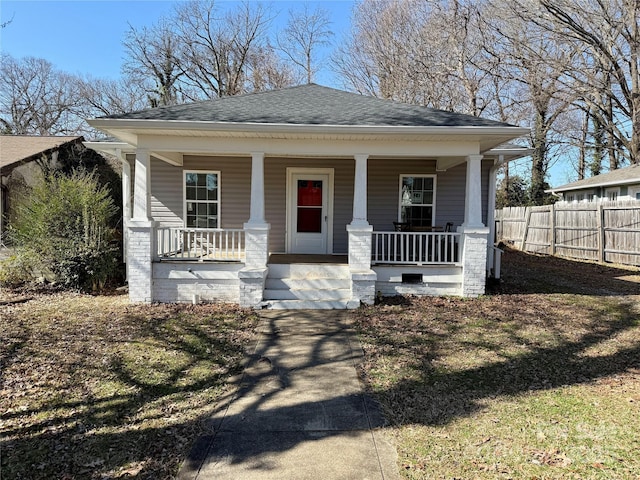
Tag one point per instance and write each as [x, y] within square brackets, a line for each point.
[213, 222]
[310, 220]
[212, 209]
[191, 179]
[310, 193]
[191, 193]
[212, 186]
[202, 179]
[191, 221]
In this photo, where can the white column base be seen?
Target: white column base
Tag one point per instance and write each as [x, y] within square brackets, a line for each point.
[140, 252]
[256, 237]
[363, 279]
[474, 261]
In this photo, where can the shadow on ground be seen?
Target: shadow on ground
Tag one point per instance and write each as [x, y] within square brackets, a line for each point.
[450, 395]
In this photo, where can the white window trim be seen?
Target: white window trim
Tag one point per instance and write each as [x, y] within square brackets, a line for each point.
[633, 191]
[184, 195]
[433, 204]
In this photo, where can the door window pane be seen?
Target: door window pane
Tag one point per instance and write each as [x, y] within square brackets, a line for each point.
[309, 220]
[310, 193]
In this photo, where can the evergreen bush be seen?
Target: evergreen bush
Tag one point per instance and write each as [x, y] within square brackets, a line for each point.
[65, 223]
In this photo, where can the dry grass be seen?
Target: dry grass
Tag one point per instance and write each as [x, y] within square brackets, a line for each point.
[539, 380]
[93, 387]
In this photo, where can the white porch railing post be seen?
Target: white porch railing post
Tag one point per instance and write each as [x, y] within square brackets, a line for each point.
[363, 278]
[141, 242]
[252, 277]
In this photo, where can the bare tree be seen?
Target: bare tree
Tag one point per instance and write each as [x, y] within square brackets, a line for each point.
[609, 32]
[428, 53]
[306, 31]
[216, 50]
[534, 62]
[267, 71]
[36, 98]
[153, 61]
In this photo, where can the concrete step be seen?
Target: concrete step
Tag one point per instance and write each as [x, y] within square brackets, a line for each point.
[307, 294]
[308, 284]
[310, 304]
[308, 270]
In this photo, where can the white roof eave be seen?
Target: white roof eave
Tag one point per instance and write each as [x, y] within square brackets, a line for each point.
[131, 126]
[612, 183]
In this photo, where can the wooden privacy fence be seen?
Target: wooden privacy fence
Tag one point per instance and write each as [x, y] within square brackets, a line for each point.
[604, 231]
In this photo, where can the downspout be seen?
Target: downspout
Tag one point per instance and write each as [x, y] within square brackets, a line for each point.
[491, 209]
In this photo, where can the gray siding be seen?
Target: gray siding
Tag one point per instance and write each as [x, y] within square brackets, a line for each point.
[167, 203]
[383, 183]
[384, 196]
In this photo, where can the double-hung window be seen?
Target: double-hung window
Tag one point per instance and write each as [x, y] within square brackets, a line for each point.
[202, 199]
[417, 200]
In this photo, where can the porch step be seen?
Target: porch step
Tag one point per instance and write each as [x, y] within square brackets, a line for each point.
[308, 286]
[309, 304]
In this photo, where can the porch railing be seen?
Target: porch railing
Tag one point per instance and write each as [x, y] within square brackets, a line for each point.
[200, 244]
[416, 248]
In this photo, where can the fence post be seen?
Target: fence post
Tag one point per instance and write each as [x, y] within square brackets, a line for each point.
[552, 229]
[526, 229]
[601, 236]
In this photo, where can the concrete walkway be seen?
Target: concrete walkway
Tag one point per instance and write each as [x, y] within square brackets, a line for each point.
[300, 411]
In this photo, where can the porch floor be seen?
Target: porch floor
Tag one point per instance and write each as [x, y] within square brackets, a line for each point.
[287, 258]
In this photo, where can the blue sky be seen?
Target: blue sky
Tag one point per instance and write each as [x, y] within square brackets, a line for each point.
[85, 36]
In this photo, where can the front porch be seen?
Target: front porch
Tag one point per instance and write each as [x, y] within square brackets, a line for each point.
[180, 264]
[196, 265]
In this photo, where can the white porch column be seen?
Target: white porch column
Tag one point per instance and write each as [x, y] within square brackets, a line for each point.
[256, 230]
[363, 278]
[126, 206]
[360, 192]
[142, 186]
[141, 241]
[473, 193]
[474, 232]
[256, 212]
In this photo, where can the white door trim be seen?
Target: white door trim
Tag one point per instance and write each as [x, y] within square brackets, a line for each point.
[291, 190]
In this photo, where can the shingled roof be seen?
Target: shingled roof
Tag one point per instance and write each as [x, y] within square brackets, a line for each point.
[310, 105]
[16, 149]
[621, 176]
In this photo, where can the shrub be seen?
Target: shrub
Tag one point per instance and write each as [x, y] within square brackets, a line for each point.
[65, 224]
[16, 270]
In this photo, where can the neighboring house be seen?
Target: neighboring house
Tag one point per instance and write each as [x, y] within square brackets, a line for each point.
[306, 197]
[22, 160]
[620, 184]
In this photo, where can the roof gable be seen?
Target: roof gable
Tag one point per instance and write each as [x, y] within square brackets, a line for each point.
[310, 105]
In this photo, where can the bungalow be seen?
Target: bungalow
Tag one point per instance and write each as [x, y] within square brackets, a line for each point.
[306, 197]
